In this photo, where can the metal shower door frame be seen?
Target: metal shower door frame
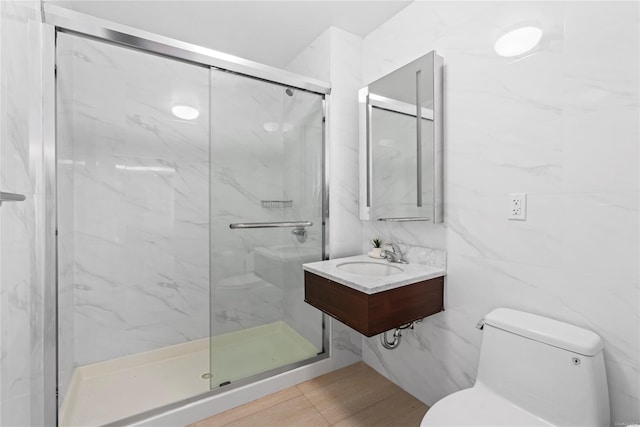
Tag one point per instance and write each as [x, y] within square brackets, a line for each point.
[56, 19]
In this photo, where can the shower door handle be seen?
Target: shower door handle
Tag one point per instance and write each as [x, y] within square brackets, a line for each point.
[295, 224]
[11, 197]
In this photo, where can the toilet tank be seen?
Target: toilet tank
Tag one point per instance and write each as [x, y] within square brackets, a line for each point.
[552, 369]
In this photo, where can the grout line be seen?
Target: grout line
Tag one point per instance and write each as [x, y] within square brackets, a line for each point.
[352, 366]
[377, 402]
[363, 409]
[261, 410]
[317, 410]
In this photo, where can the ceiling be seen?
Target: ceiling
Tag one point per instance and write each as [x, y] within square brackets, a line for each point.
[270, 32]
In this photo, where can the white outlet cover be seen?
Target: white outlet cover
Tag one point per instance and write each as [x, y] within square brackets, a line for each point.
[517, 206]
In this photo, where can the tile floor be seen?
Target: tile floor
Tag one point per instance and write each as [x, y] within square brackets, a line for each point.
[353, 396]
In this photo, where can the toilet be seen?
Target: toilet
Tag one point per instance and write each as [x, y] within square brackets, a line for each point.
[533, 371]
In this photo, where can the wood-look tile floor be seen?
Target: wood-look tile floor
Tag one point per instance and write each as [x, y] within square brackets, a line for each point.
[355, 396]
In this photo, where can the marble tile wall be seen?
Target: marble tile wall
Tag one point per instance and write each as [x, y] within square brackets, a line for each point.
[302, 183]
[239, 109]
[21, 284]
[140, 199]
[560, 124]
[136, 222]
[66, 208]
[336, 56]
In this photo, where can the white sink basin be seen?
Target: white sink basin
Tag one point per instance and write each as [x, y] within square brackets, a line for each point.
[365, 268]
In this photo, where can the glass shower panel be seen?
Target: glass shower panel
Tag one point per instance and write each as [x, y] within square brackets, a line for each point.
[266, 167]
[133, 231]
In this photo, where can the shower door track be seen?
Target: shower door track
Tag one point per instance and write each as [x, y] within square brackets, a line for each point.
[57, 19]
[70, 21]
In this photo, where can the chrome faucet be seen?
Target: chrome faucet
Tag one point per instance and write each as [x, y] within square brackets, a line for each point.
[393, 255]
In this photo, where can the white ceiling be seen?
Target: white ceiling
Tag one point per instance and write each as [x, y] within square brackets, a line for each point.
[270, 32]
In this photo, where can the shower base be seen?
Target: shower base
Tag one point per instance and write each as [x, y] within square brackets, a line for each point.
[104, 392]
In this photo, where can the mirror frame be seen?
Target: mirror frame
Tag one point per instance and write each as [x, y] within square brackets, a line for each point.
[366, 101]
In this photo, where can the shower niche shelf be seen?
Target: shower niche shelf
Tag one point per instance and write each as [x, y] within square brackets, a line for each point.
[373, 310]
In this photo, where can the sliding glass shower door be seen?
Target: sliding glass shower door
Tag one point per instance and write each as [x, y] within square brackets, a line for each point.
[187, 200]
[266, 221]
[133, 230]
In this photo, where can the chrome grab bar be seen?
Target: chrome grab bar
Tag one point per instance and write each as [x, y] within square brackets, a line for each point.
[11, 197]
[241, 225]
[405, 219]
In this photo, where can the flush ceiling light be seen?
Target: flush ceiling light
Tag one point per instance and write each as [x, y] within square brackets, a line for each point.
[185, 112]
[518, 41]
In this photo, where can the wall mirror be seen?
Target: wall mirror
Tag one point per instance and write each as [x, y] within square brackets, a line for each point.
[401, 144]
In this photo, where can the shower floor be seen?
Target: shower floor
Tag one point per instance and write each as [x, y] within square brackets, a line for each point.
[104, 392]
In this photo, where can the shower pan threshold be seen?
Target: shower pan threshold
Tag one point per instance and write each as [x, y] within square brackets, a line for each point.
[108, 391]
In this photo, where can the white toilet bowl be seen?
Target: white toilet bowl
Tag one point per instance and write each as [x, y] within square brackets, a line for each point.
[533, 371]
[478, 407]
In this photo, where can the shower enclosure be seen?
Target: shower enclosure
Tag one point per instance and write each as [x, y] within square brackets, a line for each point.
[187, 196]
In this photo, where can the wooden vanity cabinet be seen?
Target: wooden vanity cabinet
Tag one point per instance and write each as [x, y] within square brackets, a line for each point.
[372, 314]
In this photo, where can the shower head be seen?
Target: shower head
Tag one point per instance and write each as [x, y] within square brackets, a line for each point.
[289, 91]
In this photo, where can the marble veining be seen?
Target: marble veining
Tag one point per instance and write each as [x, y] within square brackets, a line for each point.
[152, 261]
[534, 124]
[411, 273]
[22, 283]
[134, 199]
[423, 255]
[336, 56]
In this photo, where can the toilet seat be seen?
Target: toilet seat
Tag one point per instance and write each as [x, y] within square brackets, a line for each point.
[479, 406]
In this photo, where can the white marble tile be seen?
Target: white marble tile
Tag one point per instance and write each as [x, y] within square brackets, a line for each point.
[607, 304]
[423, 255]
[21, 281]
[66, 263]
[479, 226]
[335, 56]
[486, 161]
[560, 124]
[343, 144]
[346, 344]
[602, 238]
[16, 410]
[345, 228]
[597, 143]
[609, 79]
[140, 200]
[439, 341]
[313, 60]
[581, 17]
[273, 162]
[409, 233]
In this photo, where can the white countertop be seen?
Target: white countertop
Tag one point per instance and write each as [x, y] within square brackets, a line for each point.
[372, 284]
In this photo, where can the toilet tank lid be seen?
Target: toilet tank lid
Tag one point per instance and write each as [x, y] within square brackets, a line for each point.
[545, 330]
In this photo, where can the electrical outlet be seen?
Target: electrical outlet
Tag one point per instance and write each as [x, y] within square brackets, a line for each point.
[518, 206]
